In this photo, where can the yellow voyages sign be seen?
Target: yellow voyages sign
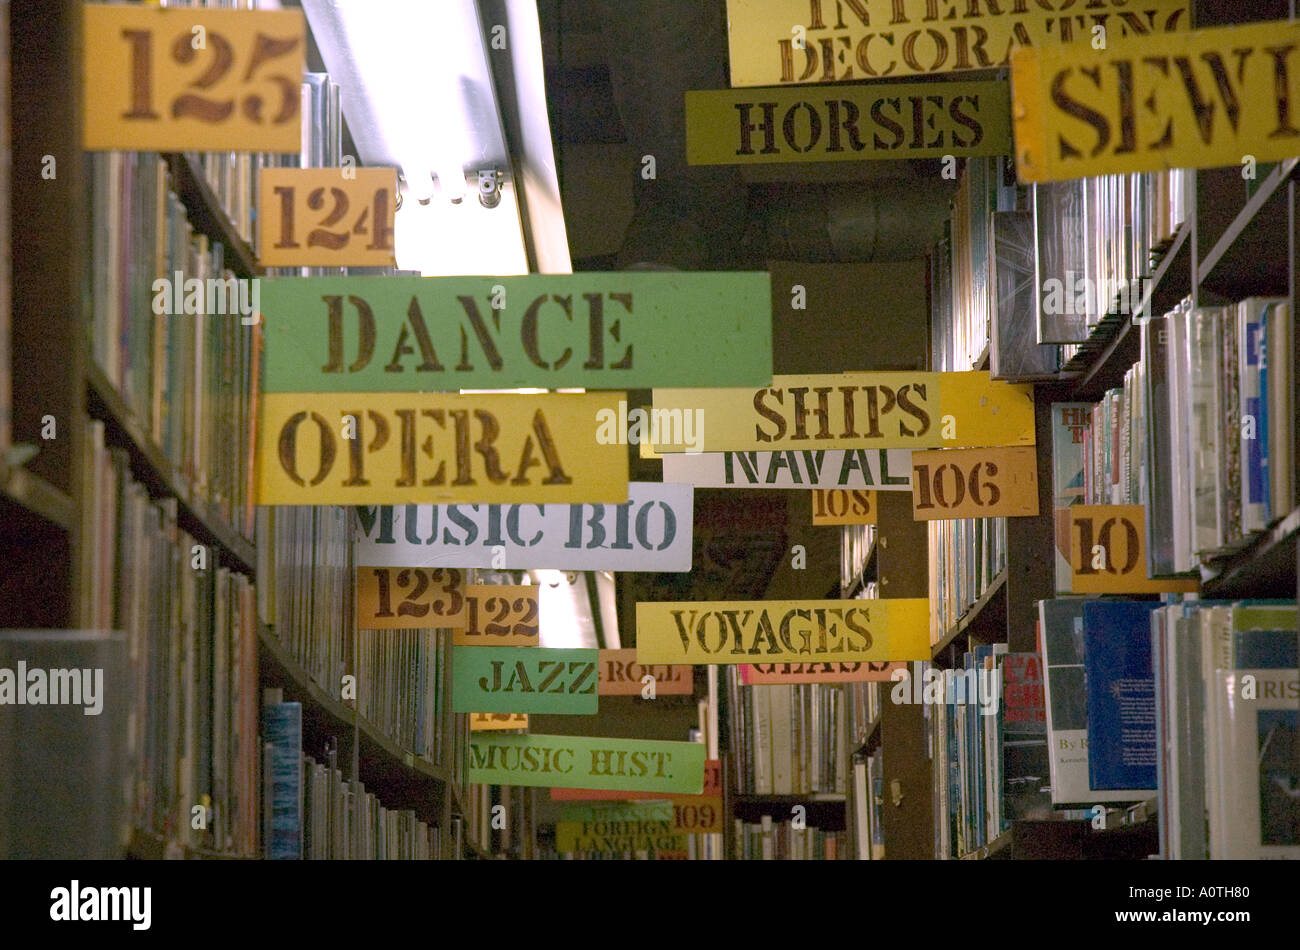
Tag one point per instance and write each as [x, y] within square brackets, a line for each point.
[851, 123]
[1108, 552]
[192, 79]
[785, 631]
[1211, 98]
[326, 217]
[888, 410]
[433, 448]
[821, 41]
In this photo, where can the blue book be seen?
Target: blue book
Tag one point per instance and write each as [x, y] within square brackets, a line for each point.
[981, 729]
[1121, 694]
[954, 768]
[282, 723]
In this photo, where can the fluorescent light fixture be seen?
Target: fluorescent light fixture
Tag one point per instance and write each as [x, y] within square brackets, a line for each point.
[566, 614]
[441, 239]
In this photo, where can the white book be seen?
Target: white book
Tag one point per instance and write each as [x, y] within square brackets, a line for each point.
[1180, 459]
[762, 749]
[780, 713]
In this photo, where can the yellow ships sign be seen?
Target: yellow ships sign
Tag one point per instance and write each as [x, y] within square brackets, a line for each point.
[1215, 97]
[777, 42]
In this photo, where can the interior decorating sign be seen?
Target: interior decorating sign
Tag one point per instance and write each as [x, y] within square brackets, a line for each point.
[877, 469]
[636, 765]
[1213, 97]
[408, 448]
[825, 41]
[793, 631]
[191, 79]
[604, 330]
[894, 410]
[650, 531]
[852, 123]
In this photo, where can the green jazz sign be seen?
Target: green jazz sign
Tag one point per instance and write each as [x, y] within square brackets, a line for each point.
[635, 765]
[524, 680]
[613, 330]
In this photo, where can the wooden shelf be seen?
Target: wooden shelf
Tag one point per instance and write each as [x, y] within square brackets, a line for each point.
[999, 847]
[1248, 259]
[1115, 344]
[1266, 567]
[36, 495]
[987, 616]
[157, 473]
[207, 215]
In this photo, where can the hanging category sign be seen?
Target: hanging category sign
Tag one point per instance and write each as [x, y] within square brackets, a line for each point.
[1108, 552]
[621, 675]
[410, 598]
[650, 531]
[839, 507]
[636, 765]
[620, 811]
[761, 674]
[392, 449]
[605, 330]
[326, 217]
[189, 79]
[793, 631]
[616, 836]
[524, 679]
[773, 42]
[500, 615]
[974, 483]
[888, 410]
[712, 789]
[482, 722]
[1216, 97]
[877, 469]
[852, 123]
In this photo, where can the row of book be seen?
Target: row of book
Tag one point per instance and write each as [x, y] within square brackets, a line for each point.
[988, 745]
[867, 800]
[966, 556]
[168, 331]
[856, 542]
[402, 687]
[864, 700]
[192, 642]
[770, 840]
[793, 738]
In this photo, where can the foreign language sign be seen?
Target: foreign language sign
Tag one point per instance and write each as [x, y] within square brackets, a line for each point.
[617, 836]
[1108, 552]
[650, 531]
[824, 41]
[893, 410]
[794, 631]
[479, 722]
[178, 80]
[636, 765]
[392, 449]
[524, 679]
[974, 483]
[607, 330]
[838, 507]
[852, 123]
[760, 674]
[326, 217]
[685, 814]
[712, 789]
[620, 811]
[878, 469]
[1213, 98]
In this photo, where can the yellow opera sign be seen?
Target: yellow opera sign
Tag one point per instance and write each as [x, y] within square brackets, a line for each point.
[1108, 552]
[326, 217]
[974, 483]
[187, 79]
[481, 722]
[832, 506]
[434, 448]
[887, 410]
[852, 123]
[793, 631]
[776, 42]
[1211, 98]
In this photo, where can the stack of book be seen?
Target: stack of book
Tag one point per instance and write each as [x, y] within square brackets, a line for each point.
[856, 542]
[771, 840]
[402, 682]
[966, 556]
[794, 738]
[867, 799]
[192, 639]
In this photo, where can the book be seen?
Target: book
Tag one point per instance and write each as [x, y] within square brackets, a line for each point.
[1014, 353]
[282, 723]
[1120, 695]
[1026, 764]
[1070, 424]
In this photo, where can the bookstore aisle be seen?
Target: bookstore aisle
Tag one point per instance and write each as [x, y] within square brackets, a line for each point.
[742, 430]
